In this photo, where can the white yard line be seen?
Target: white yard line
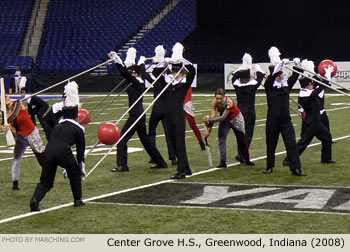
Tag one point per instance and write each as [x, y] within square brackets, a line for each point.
[221, 208]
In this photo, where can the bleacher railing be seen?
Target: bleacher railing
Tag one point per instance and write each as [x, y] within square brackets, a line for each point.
[29, 42]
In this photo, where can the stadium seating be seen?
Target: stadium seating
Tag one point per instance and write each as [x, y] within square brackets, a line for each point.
[77, 34]
[14, 17]
[174, 27]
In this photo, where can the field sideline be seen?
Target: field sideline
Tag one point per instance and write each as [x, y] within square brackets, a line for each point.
[131, 215]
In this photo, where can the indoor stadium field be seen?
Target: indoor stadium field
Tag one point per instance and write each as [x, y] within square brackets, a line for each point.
[144, 200]
[46, 45]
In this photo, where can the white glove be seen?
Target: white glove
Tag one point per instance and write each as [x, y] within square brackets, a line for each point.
[168, 61]
[277, 68]
[65, 175]
[285, 61]
[141, 60]
[259, 69]
[297, 62]
[185, 61]
[160, 64]
[82, 170]
[176, 61]
[329, 70]
[114, 56]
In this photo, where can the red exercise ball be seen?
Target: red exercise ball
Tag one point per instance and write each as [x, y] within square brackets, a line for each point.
[84, 117]
[325, 64]
[108, 133]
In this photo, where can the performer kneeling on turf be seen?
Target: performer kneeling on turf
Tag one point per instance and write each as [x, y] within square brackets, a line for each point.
[230, 118]
[58, 151]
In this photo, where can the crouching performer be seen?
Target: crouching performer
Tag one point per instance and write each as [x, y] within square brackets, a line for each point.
[58, 151]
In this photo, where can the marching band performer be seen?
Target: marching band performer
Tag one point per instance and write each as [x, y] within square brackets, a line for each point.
[278, 122]
[134, 74]
[159, 107]
[189, 113]
[245, 87]
[175, 97]
[311, 104]
[39, 109]
[26, 134]
[52, 117]
[230, 118]
[58, 151]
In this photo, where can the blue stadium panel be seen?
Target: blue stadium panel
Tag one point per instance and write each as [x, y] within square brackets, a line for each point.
[14, 19]
[174, 27]
[77, 34]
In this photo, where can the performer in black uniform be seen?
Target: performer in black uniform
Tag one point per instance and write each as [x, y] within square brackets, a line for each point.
[52, 117]
[175, 116]
[159, 107]
[246, 87]
[58, 152]
[36, 107]
[278, 116]
[311, 123]
[324, 117]
[134, 74]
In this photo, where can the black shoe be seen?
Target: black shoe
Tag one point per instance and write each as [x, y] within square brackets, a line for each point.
[120, 169]
[151, 161]
[202, 145]
[285, 162]
[249, 163]
[240, 159]
[178, 175]
[15, 185]
[298, 172]
[157, 166]
[78, 203]
[188, 172]
[173, 161]
[222, 165]
[34, 207]
[268, 170]
[328, 161]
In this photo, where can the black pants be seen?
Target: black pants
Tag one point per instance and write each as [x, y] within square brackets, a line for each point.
[140, 128]
[313, 129]
[249, 123]
[58, 155]
[176, 123]
[157, 115]
[48, 122]
[273, 129]
[324, 120]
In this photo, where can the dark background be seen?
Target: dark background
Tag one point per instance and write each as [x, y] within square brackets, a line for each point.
[313, 29]
[308, 29]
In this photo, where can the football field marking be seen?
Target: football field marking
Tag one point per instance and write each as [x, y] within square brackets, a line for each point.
[21, 216]
[221, 208]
